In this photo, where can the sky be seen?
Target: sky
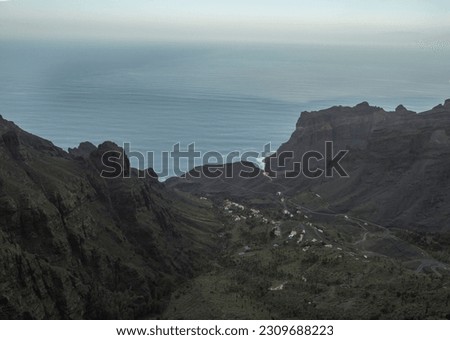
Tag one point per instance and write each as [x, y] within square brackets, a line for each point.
[286, 21]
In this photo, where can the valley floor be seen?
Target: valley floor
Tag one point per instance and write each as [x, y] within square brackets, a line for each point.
[296, 262]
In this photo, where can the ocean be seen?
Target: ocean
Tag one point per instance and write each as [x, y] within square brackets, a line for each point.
[222, 97]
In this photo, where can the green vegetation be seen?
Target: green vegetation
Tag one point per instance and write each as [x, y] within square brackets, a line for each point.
[341, 269]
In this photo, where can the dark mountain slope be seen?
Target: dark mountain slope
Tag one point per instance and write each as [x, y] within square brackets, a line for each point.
[75, 245]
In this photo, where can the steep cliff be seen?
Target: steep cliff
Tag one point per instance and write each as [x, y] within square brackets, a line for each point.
[397, 163]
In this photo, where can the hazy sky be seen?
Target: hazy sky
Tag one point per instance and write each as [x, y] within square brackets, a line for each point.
[322, 21]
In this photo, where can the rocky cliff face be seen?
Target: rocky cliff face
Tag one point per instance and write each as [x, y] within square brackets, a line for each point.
[398, 163]
[75, 245]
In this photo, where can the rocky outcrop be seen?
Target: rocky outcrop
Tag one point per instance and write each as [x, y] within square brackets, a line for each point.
[239, 180]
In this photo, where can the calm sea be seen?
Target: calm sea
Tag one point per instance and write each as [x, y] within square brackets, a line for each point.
[222, 97]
